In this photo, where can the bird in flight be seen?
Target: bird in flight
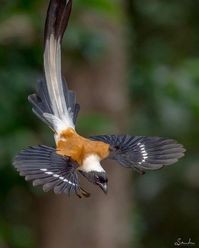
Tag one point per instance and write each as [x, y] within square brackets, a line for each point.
[59, 168]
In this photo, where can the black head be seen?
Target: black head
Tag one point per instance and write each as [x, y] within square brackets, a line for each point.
[98, 178]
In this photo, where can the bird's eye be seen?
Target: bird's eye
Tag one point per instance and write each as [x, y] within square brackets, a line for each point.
[103, 180]
[100, 179]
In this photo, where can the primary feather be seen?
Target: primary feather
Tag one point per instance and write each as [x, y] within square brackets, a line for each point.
[38, 164]
[142, 153]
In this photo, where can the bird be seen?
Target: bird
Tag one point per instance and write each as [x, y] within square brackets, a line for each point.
[60, 168]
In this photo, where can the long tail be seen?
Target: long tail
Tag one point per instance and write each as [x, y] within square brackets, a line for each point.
[54, 103]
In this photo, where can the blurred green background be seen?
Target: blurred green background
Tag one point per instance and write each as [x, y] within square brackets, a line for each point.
[162, 80]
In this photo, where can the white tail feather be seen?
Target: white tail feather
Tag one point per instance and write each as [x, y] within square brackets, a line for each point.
[52, 67]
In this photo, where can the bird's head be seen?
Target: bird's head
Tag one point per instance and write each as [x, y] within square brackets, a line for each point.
[93, 171]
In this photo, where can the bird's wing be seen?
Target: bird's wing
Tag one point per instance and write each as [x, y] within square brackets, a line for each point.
[45, 167]
[54, 103]
[142, 153]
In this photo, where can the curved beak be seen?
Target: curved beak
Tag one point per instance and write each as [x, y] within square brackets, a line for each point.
[103, 186]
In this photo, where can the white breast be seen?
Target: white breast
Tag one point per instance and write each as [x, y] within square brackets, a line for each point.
[92, 163]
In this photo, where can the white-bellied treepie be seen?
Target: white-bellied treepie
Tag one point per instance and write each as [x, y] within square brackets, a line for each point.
[57, 168]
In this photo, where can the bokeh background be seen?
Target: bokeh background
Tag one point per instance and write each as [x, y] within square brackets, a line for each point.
[135, 67]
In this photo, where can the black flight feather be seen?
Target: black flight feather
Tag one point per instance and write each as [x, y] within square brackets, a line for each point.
[43, 166]
[142, 153]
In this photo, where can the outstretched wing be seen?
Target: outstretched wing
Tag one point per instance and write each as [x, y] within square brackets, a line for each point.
[142, 153]
[45, 167]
